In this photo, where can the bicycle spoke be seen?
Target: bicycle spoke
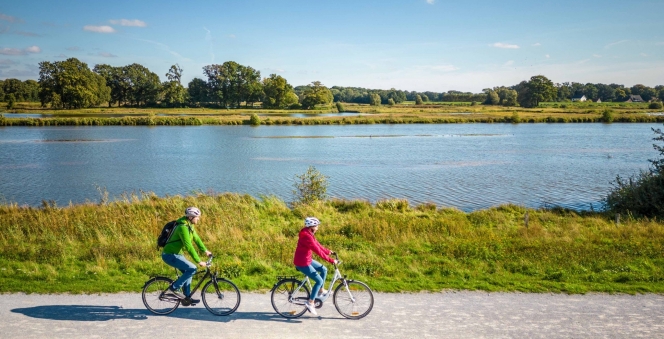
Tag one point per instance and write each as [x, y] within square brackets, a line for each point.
[222, 298]
[288, 300]
[353, 301]
[156, 300]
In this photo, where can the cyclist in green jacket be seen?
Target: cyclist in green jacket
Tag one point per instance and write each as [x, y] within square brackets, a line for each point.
[182, 237]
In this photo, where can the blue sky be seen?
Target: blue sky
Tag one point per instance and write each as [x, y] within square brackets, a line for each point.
[435, 45]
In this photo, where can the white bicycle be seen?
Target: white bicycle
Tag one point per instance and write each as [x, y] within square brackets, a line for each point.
[352, 299]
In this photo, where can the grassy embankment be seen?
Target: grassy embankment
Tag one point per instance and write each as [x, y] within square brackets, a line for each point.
[390, 245]
[403, 113]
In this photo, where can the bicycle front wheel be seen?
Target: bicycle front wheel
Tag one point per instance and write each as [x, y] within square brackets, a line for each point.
[221, 298]
[288, 298]
[354, 302]
[156, 297]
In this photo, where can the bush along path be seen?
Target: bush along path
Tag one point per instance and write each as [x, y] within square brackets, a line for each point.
[393, 246]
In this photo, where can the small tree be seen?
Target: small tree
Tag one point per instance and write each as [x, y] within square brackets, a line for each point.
[374, 99]
[390, 102]
[607, 116]
[340, 107]
[641, 194]
[254, 120]
[418, 100]
[10, 100]
[309, 187]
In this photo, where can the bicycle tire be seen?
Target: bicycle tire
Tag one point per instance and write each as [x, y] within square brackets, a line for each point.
[222, 299]
[282, 298]
[155, 300]
[359, 307]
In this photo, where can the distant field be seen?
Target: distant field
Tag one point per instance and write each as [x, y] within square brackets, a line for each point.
[431, 112]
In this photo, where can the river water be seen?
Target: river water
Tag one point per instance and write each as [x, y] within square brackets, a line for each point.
[468, 166]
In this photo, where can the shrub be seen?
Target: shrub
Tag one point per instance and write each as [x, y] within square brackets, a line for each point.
[515, 118]
[641, 194]
[254, 120]
[655, 105]
[340, 107]
[309, 187]
[607, 116]
[390, 102]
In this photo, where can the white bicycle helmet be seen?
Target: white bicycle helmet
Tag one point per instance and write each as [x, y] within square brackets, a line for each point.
[192, 212]
[311, 222]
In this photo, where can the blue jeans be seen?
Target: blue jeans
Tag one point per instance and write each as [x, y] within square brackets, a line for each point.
[188, 270]
[316, 272]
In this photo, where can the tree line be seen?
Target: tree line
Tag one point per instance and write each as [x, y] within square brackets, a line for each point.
[72, 84]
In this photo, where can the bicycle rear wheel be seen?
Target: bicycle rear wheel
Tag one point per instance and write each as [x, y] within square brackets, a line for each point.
[222, 298]
[287, 302]
[156, 297]
[355, 302]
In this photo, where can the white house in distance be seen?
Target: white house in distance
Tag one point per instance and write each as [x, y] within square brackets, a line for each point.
[579, 99]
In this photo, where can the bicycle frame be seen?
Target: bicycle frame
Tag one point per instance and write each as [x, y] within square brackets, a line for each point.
[207, 274]
[337, 276]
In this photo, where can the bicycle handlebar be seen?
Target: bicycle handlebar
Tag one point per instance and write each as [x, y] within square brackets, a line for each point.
[209, 262]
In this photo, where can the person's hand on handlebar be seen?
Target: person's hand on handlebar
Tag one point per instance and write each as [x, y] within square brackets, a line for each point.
[202, 264]
[208, 253]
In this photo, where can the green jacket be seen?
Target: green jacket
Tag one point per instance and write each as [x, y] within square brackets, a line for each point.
[182, 236]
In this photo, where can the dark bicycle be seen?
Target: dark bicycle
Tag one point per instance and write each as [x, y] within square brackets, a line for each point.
[220, 296]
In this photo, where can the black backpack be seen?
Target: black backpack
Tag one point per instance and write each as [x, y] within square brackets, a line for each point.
[166, 233]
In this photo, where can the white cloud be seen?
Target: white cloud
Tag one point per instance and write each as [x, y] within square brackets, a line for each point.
[131, 23]
[537, 44]
[597, 55]
[509, 63]
[9, 18]
[107, 55]
[644, 55]
[507, 46]
[547, 56]
[73, 48]
[12, 51]
[615, 43]
[431, 2]
[7, 62]
[99, 29]
[16, 51]
[232, 36]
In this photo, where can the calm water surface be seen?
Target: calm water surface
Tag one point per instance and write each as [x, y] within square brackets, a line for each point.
[469, 166]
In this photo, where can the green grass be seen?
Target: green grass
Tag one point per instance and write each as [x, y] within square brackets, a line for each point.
[390, 245]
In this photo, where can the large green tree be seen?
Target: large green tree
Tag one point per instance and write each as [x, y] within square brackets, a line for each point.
[144, 85]
[538, 89]
[276, 91]
[231, 83]
[316, 94]
[71, 84]
[199, 92]
[175, 95]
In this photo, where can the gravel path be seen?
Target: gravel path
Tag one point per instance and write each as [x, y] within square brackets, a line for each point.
[420, 315]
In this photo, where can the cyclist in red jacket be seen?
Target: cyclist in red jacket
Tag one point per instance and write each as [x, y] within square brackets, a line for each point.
[305, 264]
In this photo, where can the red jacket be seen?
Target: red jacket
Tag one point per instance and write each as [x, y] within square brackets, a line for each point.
[305, 245]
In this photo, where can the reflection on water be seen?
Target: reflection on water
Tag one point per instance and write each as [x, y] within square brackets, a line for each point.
[468, 166]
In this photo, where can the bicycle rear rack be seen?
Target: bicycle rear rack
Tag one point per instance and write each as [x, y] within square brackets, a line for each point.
[284, 277]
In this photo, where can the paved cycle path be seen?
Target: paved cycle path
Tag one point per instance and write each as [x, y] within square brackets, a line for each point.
[419, 315]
